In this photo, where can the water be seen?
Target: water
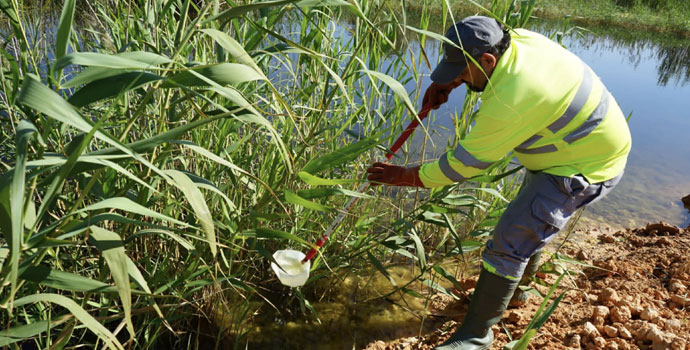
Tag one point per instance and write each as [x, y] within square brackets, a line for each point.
[650, 79]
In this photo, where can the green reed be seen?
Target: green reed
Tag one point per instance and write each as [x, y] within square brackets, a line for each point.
[155, 158]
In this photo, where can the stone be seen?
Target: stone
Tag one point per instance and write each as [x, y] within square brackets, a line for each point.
[610, 331]
[620, 314]
[599, 342]
[649, 314]
[609, 295]
[678, 343]
[574, 341]
[681, 301]
[655, 335]
[514, 317]
[671, 324]
[606, 238]
[590, 330]
[601, 311]
[676, 286]
[612, 345]
[640, 330]
[659, 346]
[582, 256]
[623, 332]
[598, 321]
[662, 228]
[664, 242]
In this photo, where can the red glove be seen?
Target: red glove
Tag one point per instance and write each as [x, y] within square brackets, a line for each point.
[389, 174]
[437, 94]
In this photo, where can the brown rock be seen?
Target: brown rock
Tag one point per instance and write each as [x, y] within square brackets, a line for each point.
[676, 286]
[662, 228]
[610, 331]
[655, 335]
[590, 330]
[514, 317]
[601, 311]
[598, 321]
[686, 202]
[623, 332]
[620, 314]
[639, 329]
[574, 341]
[599, 342]
[582, 256]
[606, 238]
[609, 295]
[680, 300]
[649, 314]
[678, 343]
[612, 345]
[672, 324]
[664, 242]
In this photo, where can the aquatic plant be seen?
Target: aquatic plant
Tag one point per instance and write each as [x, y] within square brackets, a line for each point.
[155, 158]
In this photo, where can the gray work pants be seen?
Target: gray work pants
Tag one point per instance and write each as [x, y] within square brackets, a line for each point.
[542, 207]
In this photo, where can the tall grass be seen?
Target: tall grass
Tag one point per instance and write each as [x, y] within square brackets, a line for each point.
[156, 157]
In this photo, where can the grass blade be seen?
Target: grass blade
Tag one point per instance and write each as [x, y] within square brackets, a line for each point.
[113, 251]
[318, 181]
[95, 59]
[126, 204]
[198, 203]
[342, 155]
[25, 131]
[64, 28]
[63, 280]
[222, 74]
[293, 198]
[233, 47]
[112, 86]
[76, 310]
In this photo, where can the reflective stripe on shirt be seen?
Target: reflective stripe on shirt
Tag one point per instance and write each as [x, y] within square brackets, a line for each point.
[575, 106]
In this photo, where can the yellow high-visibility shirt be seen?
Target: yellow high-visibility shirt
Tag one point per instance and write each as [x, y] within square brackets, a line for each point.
[546, 105]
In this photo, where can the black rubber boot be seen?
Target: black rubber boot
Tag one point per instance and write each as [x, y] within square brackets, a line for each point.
[520, 297]
[489, 301]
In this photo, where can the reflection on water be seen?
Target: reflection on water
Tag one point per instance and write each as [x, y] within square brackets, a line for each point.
[674, 62]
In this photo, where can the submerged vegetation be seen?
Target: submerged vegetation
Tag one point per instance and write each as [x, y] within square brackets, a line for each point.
[153, 160]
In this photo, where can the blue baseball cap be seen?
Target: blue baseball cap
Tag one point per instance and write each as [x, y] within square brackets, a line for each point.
[476, 35]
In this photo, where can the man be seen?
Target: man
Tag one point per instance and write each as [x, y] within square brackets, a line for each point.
[544, 104]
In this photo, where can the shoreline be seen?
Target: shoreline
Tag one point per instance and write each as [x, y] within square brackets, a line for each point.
[581, 13]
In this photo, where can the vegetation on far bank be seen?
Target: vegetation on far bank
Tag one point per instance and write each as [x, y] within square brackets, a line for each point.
[662, 16]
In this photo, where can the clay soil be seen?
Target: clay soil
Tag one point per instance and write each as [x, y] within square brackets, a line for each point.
[632, 292]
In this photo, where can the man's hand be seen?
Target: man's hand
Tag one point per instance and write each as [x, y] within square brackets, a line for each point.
[389, 174]
[437, 94]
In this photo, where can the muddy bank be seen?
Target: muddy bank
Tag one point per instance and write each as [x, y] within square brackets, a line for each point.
[632, 291]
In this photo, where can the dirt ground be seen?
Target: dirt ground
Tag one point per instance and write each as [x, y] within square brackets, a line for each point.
[636, 297]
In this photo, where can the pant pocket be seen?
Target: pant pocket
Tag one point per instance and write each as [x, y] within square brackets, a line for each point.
[550, 212]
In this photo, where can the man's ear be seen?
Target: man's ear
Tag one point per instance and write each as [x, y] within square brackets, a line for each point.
[488, 61]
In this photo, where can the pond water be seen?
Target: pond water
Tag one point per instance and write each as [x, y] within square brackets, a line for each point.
[650, 79]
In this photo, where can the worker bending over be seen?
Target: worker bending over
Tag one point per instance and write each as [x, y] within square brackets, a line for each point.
[546, 106]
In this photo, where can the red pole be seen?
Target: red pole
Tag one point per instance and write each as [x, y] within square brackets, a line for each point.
[396, 146]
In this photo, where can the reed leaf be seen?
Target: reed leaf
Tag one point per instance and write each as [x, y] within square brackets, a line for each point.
[91, 323]
[198, 203]
[113, 251]
[64, 28]
[25, 131]
[126, 204]
[64, 280]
